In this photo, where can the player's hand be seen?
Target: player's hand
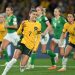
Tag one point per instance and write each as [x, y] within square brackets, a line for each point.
[6, 26]
[42, 34]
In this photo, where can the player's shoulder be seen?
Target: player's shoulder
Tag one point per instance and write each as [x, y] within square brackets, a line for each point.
[13, 16]
[38, 24]
[24, 21]
[66, 24]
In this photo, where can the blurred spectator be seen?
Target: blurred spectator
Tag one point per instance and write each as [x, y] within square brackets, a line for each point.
[53, 5]
[45, 3]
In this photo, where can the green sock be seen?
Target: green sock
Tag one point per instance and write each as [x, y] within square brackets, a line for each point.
[33, 57]
[52, 55]
[7, 58]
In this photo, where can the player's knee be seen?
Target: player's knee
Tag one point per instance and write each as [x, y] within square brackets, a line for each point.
[66, 55]
[62, 54]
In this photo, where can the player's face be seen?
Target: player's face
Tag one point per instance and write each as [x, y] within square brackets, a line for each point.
[56, 12]
[33, 16]
[70, 17]
[1, 18]
[39, 11]
[8, 11]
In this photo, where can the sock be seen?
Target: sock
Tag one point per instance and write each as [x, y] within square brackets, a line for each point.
[28, 63]
[9, 50]
[9, 65]
[52, 55]
[7, 58]
[56, 57]
[56, 54]
[33, 57]
[64, 62]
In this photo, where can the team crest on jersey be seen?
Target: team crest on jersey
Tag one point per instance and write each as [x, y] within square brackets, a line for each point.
[35, 28]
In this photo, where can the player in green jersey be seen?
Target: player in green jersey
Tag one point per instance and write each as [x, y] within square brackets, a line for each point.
[57, 23]
[11, 26]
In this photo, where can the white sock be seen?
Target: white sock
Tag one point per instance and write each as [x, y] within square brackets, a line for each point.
[64, 62]
[56, 57]
[9, 65]
[9, 50]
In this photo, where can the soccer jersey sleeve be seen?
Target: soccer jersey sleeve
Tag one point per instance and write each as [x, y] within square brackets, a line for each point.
[45, 19]
[20, 30]
[14, 21]
[65, 28]
[37, 38]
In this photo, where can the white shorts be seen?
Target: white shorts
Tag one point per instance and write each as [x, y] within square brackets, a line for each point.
[58, 40]
[12, 37]
[45, 39]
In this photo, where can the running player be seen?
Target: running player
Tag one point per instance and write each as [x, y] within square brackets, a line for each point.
[45, 27]
[11, 26]
[31, 33]
[57, 23]
[2, 29]
[68, 27]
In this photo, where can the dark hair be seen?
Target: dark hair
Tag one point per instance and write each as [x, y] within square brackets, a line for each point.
[71, 14]
[10, 7]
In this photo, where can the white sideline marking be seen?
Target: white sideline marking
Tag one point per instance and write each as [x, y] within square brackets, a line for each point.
[42, 66]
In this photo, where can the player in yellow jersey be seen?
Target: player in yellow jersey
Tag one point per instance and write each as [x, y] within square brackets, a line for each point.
[68, 27]
[2, 30]
[31, 33]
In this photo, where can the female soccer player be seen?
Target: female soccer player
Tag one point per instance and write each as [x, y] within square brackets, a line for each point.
[68, 27]
[11, 26]
[31, 33]
[57, 23]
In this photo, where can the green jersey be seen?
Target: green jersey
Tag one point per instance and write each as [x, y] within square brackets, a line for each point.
[42, 19]
[57, 25]
[10, 21]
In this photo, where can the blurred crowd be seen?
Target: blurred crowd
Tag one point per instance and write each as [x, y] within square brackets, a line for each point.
[22, 7]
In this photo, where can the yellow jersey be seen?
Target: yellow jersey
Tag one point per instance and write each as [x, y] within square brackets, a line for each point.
[2, 31]
[71, 29]
[31, 34]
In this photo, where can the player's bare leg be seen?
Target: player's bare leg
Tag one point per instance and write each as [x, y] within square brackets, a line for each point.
[4, 44]
[23, 62]
[43, 48]
[65, 59]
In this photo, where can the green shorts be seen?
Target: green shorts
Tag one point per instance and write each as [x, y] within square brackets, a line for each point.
[24, 49]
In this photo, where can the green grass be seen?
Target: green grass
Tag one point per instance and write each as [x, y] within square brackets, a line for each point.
[41, 70]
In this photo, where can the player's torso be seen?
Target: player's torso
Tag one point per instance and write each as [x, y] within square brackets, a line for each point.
[2, 31]
[57, 25]
[71, 29]
[9, 22]
[41, 20]
[30, 33]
